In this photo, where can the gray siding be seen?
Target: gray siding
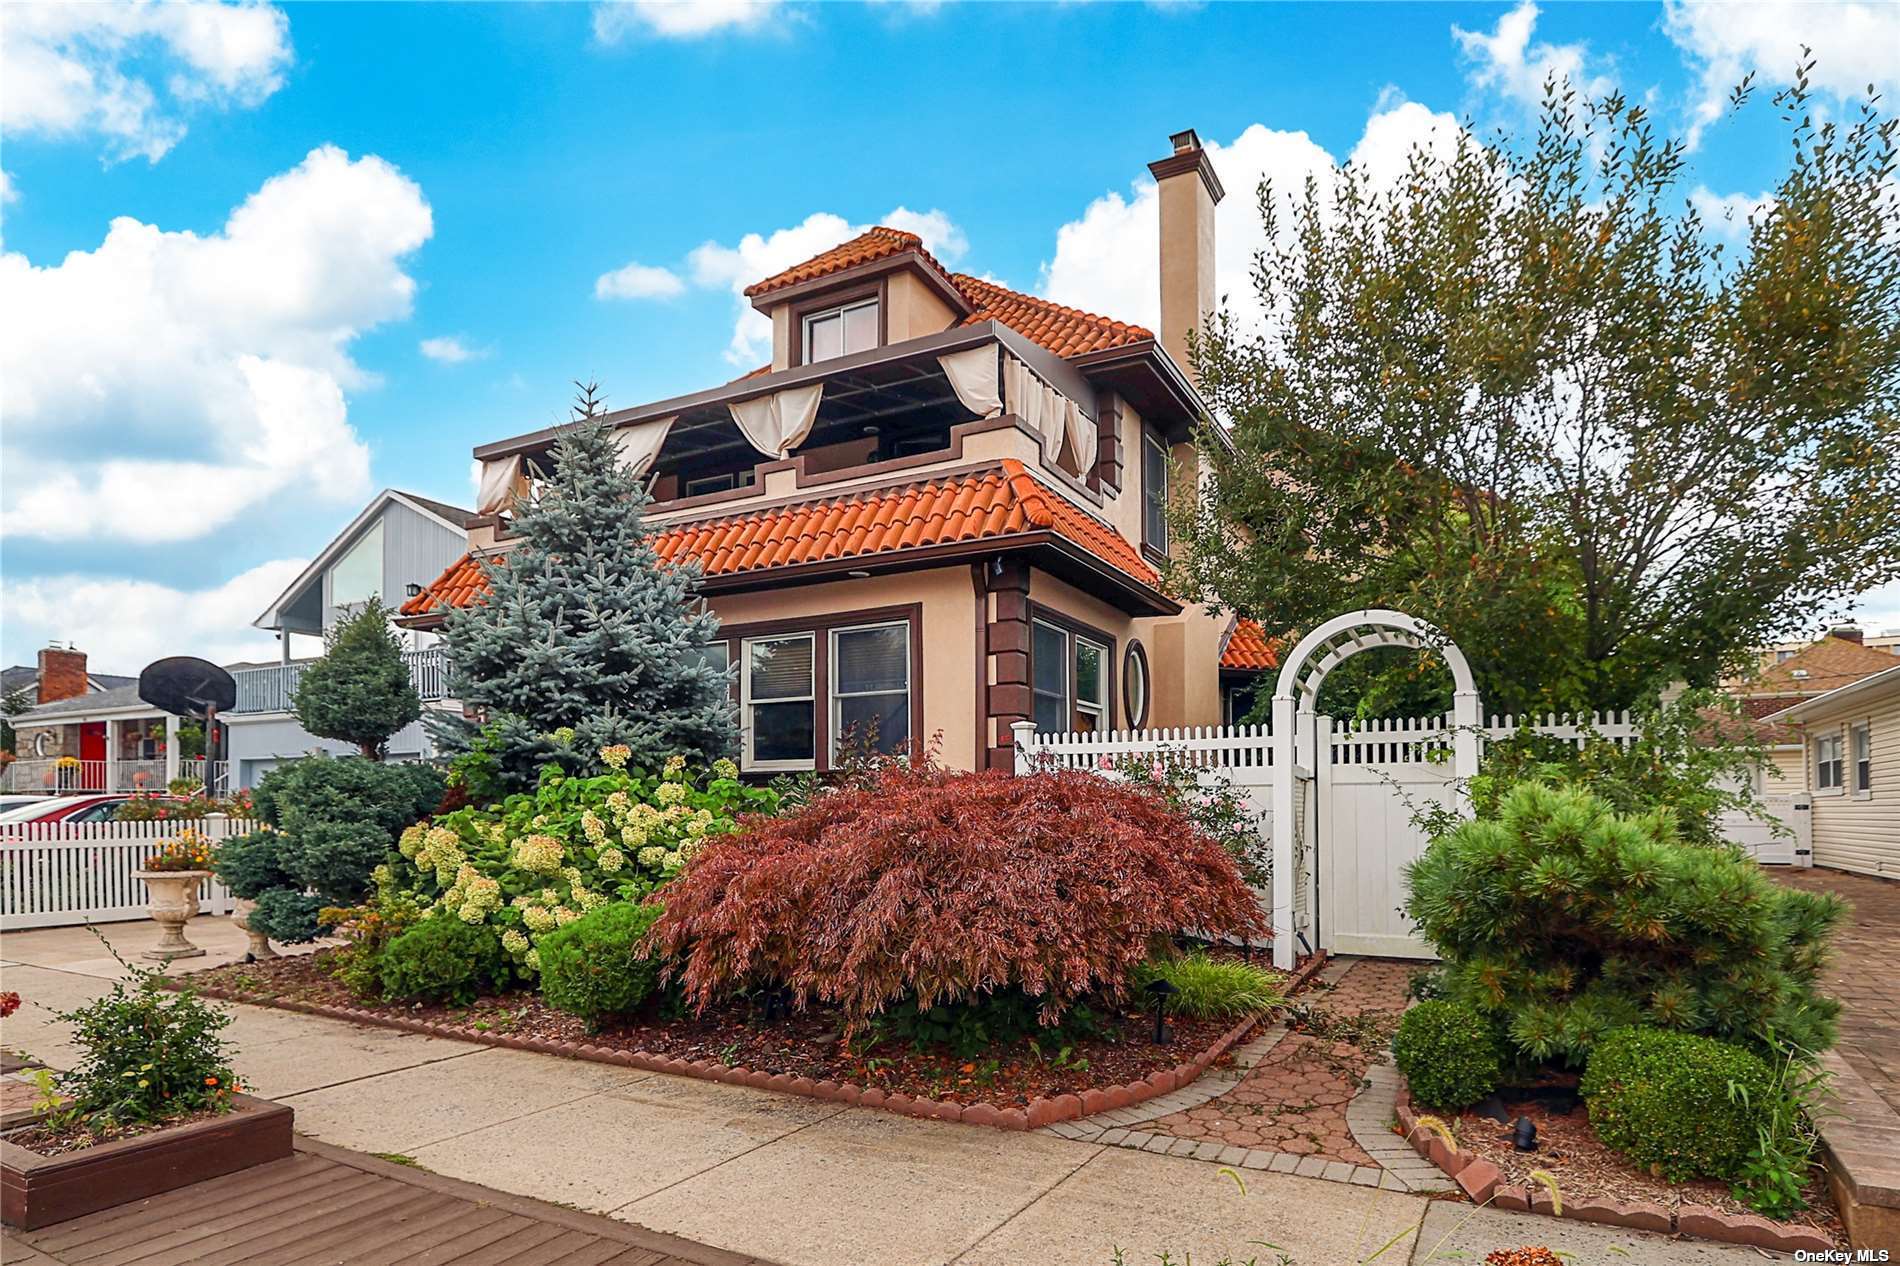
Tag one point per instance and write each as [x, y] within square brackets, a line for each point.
[416, 549]
[257, 746]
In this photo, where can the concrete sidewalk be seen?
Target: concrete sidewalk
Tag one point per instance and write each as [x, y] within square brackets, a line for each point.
[774, 1176]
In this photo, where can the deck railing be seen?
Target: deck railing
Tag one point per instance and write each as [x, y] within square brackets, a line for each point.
[53, 777]
[269, 689]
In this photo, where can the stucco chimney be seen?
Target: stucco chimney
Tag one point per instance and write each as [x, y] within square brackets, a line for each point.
[1189, 192]
[62, 674]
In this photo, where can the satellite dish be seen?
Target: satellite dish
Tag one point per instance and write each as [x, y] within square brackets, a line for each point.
[187, 687]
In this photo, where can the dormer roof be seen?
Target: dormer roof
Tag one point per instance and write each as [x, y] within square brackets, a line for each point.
[871, 246]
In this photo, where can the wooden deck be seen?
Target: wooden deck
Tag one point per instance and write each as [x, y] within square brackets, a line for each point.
[327, 1205]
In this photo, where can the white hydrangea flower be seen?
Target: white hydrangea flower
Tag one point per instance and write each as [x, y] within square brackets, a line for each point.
[670, 793]
[514, 941]
[723, 768]
[652, 855]
[611, 860]
[539, 853]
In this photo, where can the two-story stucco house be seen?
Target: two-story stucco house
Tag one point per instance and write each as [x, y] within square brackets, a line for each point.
[942, 507]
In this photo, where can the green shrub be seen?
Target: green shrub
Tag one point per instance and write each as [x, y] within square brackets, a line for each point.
[1687, 1104]
[1211, 988]
[1564, 919]
[597, 966]
[1449, 1053]
[976, 1026]
[443, 959]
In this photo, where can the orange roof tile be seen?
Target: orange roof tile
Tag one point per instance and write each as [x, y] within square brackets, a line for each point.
[1823, 665]
[1249, 649]
[1064, 331]
[875, 243]
[1008, 501]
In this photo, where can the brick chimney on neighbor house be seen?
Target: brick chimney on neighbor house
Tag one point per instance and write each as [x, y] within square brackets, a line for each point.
[62, 673]
[1848, 633]
[1189, 192]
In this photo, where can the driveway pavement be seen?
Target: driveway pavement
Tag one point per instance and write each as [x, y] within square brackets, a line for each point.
[1865, 973]
[775, 1176]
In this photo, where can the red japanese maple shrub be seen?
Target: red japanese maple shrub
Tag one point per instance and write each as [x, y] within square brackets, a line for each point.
[914, 882]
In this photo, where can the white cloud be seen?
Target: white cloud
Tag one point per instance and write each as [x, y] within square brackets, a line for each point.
[449, 349]
[1726, 216]
[124, 624]
[77, 69]
[1854, 45]
[210, 370]
[1506, 62]
[1108, 260]
[683, 19]
[1878, 610]
[757, 256]
[8, 191]
[638, 281]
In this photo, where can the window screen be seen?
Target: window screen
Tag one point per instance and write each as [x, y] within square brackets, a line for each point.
[779, 699]
[870, 687]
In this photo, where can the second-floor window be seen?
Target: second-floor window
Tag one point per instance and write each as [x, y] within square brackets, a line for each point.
[358, 575]
[1154, 493]
[841, 331]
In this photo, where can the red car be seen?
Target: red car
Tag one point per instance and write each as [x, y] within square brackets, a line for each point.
[97, 807]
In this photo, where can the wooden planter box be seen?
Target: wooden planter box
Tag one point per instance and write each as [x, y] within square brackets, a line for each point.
[38, 1191]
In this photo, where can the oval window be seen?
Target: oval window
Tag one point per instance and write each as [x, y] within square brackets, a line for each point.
[1135, 686]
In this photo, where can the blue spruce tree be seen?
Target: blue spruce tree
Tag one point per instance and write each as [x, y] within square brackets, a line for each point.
[586, 638]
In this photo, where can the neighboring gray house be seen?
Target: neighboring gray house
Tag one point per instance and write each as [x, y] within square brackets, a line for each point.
[399, 542]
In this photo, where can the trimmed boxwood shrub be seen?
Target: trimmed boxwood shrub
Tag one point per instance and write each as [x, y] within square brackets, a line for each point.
[938, 887]
[1684, 1103]
[443, 959]
[1449, 1053]
[597, 966]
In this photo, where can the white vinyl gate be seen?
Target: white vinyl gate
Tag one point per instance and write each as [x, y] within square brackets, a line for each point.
[58, 875]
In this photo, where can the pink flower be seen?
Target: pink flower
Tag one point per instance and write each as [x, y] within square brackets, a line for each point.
[1104, 761]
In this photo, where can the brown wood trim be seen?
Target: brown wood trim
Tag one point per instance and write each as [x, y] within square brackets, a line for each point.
[820, 626]
[1074, 627]
[981, 686]
[836, 296]
[1189, 160]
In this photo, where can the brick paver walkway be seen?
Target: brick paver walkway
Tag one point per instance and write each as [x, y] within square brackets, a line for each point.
[1864, 975]
[1295, 1099]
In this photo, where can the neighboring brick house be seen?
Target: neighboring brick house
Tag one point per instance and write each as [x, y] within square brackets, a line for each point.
[61, 673]
[1837, 660]
[942, 506]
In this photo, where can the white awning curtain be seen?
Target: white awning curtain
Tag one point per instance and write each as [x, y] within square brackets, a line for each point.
[640, 443]
[779, 423]
[973, 376]
[500, 479]
[1049, 413]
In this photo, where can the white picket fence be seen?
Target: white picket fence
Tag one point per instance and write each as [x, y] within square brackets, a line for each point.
[56, 875]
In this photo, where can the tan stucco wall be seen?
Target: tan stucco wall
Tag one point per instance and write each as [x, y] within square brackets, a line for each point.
[947, 633]
[915, 309]
[1187, 261]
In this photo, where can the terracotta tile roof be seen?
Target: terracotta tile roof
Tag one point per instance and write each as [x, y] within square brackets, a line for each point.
[1249, 649]
[874, 243]
[1064, 331]
[1827, 664]
[998, 503]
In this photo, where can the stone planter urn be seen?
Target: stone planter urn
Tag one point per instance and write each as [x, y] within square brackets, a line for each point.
[241, 917]
[174, 900]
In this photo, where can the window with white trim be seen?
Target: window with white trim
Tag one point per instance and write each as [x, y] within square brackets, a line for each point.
[1827, 762]
[870, 688]
[840, 331]
[1861, 746]
[778, 702]
[1068, 680]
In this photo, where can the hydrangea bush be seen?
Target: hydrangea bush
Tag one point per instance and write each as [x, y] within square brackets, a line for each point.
[538, 861]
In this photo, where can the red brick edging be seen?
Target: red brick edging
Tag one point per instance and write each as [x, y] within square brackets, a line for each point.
[1033, 1116]
[1483, 1182]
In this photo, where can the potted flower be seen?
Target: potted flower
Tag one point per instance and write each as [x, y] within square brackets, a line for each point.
[172, 876]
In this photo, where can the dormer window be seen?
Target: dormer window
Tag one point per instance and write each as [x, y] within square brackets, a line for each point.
[840, 331]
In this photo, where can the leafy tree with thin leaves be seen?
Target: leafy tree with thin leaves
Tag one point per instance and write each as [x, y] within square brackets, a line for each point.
[360, 691]
[586, 638]
[1527, 393]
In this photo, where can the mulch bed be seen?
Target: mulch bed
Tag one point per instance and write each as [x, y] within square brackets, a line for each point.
[804, 1044]
[78, 1136]
[1569, 1150]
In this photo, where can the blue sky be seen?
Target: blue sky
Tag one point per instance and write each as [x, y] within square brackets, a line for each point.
[263, 261]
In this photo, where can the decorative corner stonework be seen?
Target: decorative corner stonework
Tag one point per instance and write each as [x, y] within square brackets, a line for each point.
[1481, 1181]
[1039, 1113]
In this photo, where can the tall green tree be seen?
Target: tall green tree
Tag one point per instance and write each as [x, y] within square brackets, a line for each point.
[586, 638]
[1527, 393]
[360, 691]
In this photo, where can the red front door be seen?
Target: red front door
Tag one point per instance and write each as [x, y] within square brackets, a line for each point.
[92, 751]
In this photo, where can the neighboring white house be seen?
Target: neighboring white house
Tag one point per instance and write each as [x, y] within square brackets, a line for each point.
[1851, 745]
[399, 543]
[111, 740]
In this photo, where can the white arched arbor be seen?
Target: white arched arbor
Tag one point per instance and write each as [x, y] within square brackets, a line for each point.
[1295, 735]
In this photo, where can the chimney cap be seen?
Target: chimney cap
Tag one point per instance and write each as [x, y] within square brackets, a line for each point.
[1188, 156]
